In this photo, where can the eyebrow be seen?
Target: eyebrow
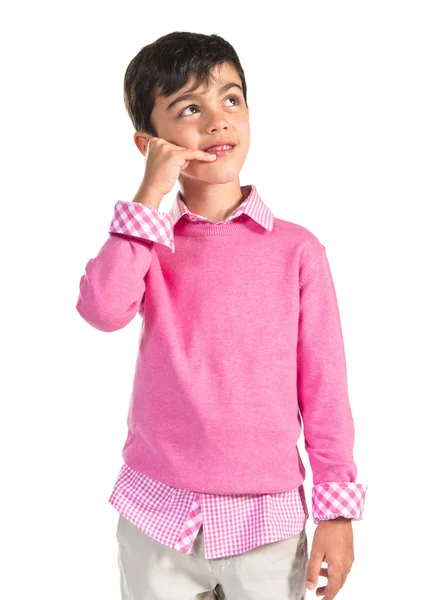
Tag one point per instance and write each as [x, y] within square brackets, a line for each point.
[191, 96]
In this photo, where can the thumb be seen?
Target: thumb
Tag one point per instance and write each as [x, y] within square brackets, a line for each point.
[312, 573]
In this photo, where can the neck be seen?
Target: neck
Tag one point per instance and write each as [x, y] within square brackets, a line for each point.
[215, 201]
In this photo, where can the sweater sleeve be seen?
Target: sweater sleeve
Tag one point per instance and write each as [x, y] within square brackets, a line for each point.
[323, 395]
[112, 289]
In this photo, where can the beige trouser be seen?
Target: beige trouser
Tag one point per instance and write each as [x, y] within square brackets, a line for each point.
[150, 570]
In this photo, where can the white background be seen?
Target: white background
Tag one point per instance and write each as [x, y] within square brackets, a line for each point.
[344, 101]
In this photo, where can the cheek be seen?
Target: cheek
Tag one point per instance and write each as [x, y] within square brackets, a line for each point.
[183, 137]
[243, 130]
[187, 139]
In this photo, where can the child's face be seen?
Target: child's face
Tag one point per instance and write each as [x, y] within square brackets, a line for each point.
[201, 120]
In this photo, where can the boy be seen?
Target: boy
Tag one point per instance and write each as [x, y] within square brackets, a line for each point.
[240, 342]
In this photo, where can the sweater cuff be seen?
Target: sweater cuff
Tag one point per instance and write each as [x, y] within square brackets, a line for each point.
[333, 499]
[143, 221]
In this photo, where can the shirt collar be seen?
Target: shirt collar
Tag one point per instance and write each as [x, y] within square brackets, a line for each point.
[252, 205]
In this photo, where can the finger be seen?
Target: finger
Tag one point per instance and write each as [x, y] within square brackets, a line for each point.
[320, 591]
[312, 573]
[334, 584]
[198, 155]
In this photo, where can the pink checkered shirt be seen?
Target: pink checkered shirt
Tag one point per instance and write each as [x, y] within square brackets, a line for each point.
[232, 524]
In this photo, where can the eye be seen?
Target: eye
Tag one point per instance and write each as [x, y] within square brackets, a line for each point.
[233, 96]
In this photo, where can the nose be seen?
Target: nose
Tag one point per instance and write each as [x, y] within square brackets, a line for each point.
[217, 123]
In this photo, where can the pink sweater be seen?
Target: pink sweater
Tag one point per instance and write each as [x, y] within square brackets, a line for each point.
[194, 336]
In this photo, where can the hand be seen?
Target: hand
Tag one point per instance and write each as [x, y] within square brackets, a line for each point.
[333, 543]
[164, 163]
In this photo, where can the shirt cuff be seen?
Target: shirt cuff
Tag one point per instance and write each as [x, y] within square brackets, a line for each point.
[333, 499]
[143, 221]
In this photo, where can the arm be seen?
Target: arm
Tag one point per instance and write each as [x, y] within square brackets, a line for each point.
[112, 290]
[328, 426]
[323, 394]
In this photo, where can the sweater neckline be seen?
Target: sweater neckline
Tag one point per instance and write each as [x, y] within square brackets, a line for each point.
[239, 224]
[251, 214]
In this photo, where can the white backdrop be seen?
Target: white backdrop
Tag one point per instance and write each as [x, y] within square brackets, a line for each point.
[344, 100]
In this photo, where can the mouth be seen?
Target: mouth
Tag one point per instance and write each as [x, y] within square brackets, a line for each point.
[220, 151]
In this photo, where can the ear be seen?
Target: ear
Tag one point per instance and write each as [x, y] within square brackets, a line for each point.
[141, 140]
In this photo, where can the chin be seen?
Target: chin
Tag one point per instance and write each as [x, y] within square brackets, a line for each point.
[216, 173]
[220, 176]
